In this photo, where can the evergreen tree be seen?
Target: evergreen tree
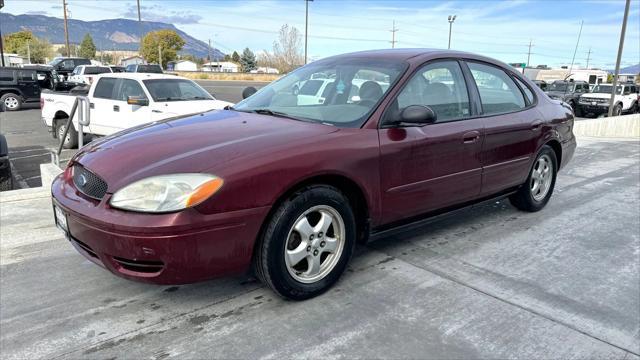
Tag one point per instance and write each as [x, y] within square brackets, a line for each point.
[235, 57]
[87, 48]
[247, 60]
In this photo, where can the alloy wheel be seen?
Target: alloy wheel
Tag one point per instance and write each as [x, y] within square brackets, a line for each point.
[541, 177]
[11, 102]
[314, 244]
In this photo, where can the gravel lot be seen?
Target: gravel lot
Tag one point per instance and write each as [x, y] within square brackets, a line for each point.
[485, 282]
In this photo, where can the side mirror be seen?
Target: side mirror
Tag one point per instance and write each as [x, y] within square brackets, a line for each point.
[248, 91]
[137, 100]
[417, 115]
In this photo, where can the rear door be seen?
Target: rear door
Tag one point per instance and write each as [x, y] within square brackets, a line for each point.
[437, 165]
[28, 83]
[511, 123]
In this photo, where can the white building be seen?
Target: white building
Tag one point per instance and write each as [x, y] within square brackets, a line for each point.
[133, 60]
[221, 66]
[592, 76]
[182, 65]
[13, 60]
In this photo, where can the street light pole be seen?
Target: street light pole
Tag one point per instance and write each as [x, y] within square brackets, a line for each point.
[617, 72]
[66, 31]
[306, 28]
[451, 19]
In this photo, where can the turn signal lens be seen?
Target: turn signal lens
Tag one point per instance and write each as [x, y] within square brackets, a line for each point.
[204, 191]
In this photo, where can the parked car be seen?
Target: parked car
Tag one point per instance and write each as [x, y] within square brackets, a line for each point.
[626, 100]
[23, 85]
[65, 65]
[541, 84]
[84, 74]
[117, 69]
[288, 189]
[568, 91]
[123, 100]
[141, 68]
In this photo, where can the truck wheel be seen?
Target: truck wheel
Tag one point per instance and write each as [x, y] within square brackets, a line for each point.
[5, 179]
[534, 194]
[71, 140]
[12, 102]
[617, 110]
[307, 243]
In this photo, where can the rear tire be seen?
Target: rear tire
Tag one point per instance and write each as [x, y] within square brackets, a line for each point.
[6, 182]
[617, 110]
[71, 141]
[12, 102]
[307, 243]
[535, 193]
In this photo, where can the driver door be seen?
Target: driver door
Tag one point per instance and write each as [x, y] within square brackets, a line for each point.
[434, 166]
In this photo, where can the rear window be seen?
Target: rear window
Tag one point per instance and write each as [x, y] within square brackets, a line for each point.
[6, 75]
[93, 70]
[311, 87]
[82, 62]
[104, 88]
[154, 69]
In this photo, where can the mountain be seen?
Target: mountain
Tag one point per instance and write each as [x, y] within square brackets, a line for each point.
[113, 34]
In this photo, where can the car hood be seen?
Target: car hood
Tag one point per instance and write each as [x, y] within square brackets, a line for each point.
[176, 108]
[195, 143]
[597, 96]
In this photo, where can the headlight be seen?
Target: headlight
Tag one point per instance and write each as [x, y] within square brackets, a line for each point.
[166, 193]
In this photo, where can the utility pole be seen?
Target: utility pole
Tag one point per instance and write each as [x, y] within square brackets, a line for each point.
[576, 50]
[160, 56]
[139, 24]
[209, 53]
[306, 28]
[451, 19]
[1, 45]
[615, 77]
[588, 57]
[528, 55]
[393, 35]
[66, 30]
[28, 52]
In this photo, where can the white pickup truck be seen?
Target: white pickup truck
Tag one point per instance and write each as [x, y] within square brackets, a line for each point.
[122, 100]
[626, 100]
[84, 74]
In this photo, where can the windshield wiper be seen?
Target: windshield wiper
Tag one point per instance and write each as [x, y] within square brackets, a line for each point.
[279, 114]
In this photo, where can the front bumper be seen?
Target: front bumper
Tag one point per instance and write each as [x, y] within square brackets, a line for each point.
[175, 248]
[594, 109]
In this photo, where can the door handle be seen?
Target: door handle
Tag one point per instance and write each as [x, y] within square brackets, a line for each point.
[116, 108]
[92, 106]
[470, 137]
[536, 125]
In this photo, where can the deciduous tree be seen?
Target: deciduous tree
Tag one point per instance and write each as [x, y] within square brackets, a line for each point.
[166, 41]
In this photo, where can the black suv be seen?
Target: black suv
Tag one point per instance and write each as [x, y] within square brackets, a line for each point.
[65, 65]
[18, 86]
[568, 91]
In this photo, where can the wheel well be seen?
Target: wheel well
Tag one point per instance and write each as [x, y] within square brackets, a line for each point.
[557, 148]
[11, 91]
[59, 115]
[346, 186]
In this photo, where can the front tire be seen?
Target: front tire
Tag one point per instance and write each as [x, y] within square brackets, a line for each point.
[617, 110]
[307, 243]
[71, 140]
[12, 102]
[535, 193]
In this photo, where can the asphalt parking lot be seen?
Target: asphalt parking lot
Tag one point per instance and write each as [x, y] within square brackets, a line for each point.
[30, 144]
[485, 282]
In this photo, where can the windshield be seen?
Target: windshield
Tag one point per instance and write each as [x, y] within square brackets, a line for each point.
[606, 89]
[92, 70]
[153, 69]
[55, 61]
[341, 91]
[560, 86]
[175, 90]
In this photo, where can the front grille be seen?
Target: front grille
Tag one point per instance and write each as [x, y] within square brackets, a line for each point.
[140, 265]
[596, 100]
[89, 183]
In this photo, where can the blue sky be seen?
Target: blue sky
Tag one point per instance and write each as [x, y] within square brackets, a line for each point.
[501, 29]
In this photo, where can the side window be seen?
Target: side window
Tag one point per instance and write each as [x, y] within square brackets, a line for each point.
[104, 88]
[128, 88]
[440, 86]
[6, 75]
[498, 93]
[27, 76]
[527, 91]
[68, 65]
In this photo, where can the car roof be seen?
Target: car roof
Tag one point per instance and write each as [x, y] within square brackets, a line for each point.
[408, 53]
[141, 76]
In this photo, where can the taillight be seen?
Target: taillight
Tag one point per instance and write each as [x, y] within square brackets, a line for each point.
[90, 79]
[41, 103]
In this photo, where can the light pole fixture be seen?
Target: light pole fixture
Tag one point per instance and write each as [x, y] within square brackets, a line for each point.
[451, 19]
[306, 28]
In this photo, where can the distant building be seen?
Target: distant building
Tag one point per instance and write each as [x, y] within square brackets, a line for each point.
[265, 70]
[221, 66]
[182, 65]
[13, 60]
[592, 76]
[628, 78]
[132, 60]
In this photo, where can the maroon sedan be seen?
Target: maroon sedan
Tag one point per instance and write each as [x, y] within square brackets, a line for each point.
[288, 180]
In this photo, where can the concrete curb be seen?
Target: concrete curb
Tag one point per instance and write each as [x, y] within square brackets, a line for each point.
[627, 126]
[48, 172]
